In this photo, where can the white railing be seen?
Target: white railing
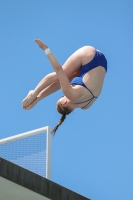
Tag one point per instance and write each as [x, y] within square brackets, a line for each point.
[18, 137]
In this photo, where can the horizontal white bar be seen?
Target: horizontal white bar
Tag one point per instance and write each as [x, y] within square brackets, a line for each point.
[23, 135]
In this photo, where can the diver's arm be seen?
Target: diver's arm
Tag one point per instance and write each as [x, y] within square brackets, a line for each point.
[62, 77]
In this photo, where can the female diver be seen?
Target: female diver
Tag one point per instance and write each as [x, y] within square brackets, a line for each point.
[80, 78]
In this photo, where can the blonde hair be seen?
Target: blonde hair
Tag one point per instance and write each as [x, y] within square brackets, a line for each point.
[64, 111]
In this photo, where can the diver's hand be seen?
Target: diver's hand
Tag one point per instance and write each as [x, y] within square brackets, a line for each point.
[41, 44]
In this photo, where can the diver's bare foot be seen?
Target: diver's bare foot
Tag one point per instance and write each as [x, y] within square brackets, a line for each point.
[29, 99]
[32, 104]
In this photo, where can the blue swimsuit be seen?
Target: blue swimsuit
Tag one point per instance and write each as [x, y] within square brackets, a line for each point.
[98, 60]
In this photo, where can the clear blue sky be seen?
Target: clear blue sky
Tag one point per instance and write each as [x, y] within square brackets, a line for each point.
[92, 152]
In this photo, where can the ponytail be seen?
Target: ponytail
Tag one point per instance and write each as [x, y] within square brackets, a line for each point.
[59, 123]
